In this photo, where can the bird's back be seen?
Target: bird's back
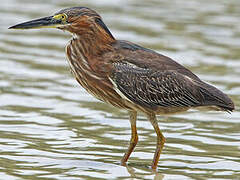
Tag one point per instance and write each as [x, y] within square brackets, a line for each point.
[157, 82]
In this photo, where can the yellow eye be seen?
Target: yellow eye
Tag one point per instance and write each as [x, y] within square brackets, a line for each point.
[62, 17]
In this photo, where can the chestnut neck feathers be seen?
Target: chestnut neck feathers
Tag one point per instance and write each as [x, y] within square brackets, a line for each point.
[93, 34]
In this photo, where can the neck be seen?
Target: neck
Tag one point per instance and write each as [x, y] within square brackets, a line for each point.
[95, 40]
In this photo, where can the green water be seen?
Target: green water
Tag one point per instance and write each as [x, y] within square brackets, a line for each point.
[50, 128]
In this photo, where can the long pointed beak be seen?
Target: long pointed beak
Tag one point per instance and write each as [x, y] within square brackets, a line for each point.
[46, 22]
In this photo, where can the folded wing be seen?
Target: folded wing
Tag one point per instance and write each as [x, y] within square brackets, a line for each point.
[153, 89]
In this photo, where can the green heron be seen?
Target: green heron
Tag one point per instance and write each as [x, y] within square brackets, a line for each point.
[127, 75]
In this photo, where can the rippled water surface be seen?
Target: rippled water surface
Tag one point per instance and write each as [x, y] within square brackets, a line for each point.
[50, 128]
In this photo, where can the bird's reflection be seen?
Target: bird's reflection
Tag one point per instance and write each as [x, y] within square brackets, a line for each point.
[134, 174]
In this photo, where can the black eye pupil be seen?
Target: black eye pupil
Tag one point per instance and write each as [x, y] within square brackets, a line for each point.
[63, 17]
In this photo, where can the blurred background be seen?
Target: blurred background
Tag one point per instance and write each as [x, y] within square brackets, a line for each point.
[50, 128]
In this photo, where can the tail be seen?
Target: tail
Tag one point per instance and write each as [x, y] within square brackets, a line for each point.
[214, 97]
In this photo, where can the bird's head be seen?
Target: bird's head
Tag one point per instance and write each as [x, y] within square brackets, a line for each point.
[77, 20]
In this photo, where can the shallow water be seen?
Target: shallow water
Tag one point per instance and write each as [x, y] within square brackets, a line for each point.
[50, 128]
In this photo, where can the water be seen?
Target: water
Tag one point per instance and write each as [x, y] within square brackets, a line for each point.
[50, 128]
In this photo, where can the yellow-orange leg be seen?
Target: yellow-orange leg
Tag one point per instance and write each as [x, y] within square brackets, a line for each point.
[160, 140]
[134, 138]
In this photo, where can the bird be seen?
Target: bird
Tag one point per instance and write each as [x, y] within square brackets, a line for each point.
[127, 75]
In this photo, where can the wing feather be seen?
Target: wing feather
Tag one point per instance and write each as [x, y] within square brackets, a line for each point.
[152, 89]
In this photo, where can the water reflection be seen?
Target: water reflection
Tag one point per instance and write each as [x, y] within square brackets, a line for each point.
[50, 128]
